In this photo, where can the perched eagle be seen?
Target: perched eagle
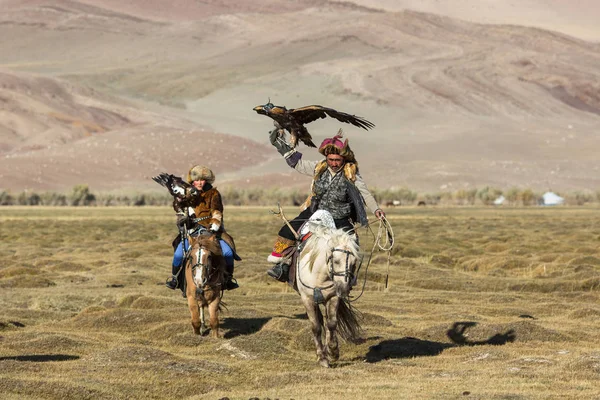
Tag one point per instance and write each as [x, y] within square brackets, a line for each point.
[179, 189]
[293, 120]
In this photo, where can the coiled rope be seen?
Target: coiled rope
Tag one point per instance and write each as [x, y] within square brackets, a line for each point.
[384, 231]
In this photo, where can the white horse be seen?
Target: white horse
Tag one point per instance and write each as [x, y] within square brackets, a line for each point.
[325, 274]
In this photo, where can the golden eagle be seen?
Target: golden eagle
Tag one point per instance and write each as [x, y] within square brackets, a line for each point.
[178, 188]
[293, 120]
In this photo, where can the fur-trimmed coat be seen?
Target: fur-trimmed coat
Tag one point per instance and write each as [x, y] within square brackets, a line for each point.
[207, 208]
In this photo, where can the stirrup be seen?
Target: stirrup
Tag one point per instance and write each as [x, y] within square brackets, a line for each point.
[280, 271]
[172, 282]
[231, 284]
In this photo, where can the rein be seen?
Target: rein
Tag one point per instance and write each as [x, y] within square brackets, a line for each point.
[384, 228]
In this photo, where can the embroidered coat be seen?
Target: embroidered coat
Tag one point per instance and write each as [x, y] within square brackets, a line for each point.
[357, 193]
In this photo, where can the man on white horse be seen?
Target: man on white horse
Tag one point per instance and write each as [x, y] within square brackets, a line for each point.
[337, 187]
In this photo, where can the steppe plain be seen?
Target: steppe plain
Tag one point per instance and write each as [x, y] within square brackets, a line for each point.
[85, 314]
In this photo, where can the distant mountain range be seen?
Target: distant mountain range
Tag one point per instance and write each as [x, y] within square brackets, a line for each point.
[109, 93]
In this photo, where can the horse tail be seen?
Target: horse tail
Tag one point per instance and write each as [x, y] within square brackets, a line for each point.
[349, 321]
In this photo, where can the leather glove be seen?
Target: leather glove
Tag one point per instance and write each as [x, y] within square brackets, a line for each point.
[280, 144]
[182, 219]
[379, 213]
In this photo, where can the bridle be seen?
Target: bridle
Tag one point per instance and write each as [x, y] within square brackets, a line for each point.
[207, 269]
[348, 273]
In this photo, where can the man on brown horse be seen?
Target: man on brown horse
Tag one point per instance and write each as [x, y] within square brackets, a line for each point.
[203, 211]
[337, 187]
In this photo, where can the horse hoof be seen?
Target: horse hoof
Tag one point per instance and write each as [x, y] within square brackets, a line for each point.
[324, 363]
[203, 330]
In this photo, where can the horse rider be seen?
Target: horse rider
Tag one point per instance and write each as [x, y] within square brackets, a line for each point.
[337, 187]
[207, 207]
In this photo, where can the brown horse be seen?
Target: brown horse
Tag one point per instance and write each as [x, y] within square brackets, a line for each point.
[204, 277]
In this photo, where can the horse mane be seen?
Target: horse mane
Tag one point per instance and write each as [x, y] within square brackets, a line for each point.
[211, 244]
[332, 237]
[340, 238]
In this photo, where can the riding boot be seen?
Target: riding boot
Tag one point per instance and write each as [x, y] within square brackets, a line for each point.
[281, 244]
[231, 282]
[280, 271]
[173, 282]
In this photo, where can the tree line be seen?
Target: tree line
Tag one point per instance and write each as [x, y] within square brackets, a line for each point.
[81, 195]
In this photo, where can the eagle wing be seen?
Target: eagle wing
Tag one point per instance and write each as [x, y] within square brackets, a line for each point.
[307, 114]
[176, 186]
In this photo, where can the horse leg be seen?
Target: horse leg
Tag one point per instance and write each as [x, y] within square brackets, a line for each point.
[213, 309]
[331, 340]
[316, 318]
[203, 327]
[194, 311]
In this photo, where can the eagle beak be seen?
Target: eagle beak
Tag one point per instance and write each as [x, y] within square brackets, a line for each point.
[260, 110]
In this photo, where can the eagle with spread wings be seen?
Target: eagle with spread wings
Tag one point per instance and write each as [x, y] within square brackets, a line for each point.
[181, 191]
[293, 120]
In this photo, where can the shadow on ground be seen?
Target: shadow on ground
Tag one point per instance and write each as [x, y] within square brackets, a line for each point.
[41, 358]
[412, 347]
[243, 326]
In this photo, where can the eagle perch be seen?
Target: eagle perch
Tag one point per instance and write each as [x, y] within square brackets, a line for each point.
[293, 120]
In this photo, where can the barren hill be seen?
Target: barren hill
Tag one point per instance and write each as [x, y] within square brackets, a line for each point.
[462, 96]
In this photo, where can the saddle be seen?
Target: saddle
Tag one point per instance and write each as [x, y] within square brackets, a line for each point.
[291, 254]
[319, 217]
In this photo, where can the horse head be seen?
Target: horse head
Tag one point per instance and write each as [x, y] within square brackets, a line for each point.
[208, 264]
[342, 257]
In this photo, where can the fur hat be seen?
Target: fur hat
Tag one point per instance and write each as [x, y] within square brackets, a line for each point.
[335, 146]
[199, 172]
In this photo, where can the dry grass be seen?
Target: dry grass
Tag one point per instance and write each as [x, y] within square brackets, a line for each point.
[85, 315]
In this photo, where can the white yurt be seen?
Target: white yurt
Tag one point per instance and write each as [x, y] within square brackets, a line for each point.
[552, 199]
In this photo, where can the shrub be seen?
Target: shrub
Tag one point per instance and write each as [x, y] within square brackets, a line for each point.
[528, 197]
[487, 195]
[463, 197]
[81, 196]
[6, 199]
[513, 195]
